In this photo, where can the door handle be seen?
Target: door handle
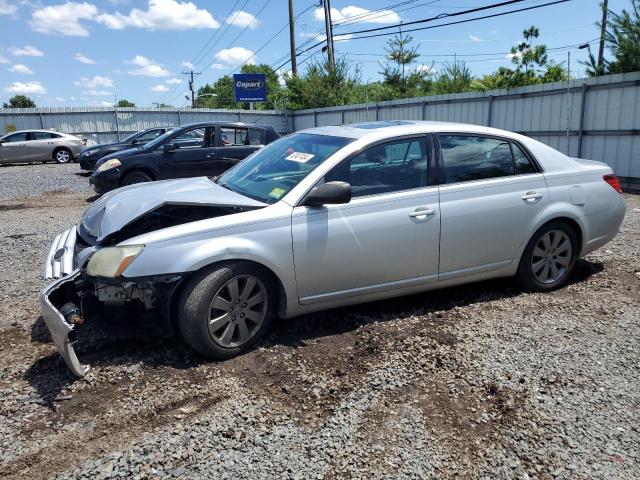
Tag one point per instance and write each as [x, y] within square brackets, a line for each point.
[531, 197]
[422, 212]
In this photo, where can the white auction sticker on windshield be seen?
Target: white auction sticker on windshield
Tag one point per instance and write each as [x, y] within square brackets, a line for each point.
[300, 157]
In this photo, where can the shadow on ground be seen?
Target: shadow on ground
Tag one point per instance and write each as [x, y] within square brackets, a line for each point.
[98, 346]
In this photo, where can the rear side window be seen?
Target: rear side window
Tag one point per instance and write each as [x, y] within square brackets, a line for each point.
[523, 164]
[233, 136]
[469, 157]
[42, 136]
[255, 137]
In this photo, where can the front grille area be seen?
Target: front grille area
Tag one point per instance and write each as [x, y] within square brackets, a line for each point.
[61, 257]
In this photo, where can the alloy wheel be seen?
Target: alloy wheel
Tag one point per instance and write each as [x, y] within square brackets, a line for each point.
[62, 156]
[237, 311]
[551, 256]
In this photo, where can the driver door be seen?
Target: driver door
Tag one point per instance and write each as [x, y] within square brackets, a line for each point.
[386, 237]
[192, 156]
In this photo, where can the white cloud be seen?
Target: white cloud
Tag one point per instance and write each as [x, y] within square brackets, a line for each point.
[26, 88]
[513, 55]
[83, 59]
[147, 67]
[97, 93]
[161, 15]
[360, 14]
[235, 55]
[63, 19]
[241, 18]
[94, 82]
[26, 51]
[160, 88]
[19, 68]
[104, 103]
[174, 81]
[283, 74]
[321, 37]
[59, 99]
[423, 68]
[7, 9]
[4, 60]
[475, 38]
[188, 65]
[218, 66]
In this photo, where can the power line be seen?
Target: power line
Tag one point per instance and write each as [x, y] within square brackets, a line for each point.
[438, 17]
[457, 22]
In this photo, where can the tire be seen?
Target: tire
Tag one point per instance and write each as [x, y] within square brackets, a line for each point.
[137, 176]
[63, 155]
[207, 300]
[549, 258]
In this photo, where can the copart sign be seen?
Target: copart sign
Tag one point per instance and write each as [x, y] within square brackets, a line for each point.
[250, 87]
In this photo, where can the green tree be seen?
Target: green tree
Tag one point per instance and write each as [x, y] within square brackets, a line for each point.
[623, 39]
[455, 78]
[322, 86]
[19, 101]
[124, 103]
[398, 74]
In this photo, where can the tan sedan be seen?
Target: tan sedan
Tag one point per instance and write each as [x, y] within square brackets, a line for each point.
[39, 146]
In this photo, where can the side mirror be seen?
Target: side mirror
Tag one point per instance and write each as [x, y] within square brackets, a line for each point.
[328, 193]
[169, 147]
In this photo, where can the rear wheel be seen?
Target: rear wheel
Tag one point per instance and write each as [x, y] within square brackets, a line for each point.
[63, 155]
[224, 311]
[549, 258]
[136, 177]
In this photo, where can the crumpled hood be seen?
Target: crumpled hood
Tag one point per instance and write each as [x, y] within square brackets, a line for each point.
[122, 206]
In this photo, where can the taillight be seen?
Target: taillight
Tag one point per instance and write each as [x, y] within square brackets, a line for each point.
[613, 181]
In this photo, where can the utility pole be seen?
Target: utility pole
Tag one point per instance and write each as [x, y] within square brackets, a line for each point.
[192, 89]
[603, 32]
[292, 40]
[329, 30]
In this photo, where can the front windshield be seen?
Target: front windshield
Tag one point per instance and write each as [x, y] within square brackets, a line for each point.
[159, 140]
[271, 172]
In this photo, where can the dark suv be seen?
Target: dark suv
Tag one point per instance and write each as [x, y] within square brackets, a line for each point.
[197, 149]
[89, 156]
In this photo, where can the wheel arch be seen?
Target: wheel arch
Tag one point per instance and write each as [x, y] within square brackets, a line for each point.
[570, 218]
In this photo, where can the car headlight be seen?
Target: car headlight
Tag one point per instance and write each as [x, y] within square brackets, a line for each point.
[109, 164]
[112, 261]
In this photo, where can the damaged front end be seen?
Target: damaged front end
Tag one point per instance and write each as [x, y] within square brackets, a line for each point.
[121, 215]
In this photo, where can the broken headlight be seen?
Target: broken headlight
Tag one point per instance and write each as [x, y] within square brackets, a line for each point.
[112, 261]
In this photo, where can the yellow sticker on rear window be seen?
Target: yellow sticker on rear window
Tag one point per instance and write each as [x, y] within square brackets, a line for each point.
[277, 192]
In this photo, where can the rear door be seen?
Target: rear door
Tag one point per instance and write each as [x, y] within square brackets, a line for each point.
[41, 145]
[492, 194]
[235, 144]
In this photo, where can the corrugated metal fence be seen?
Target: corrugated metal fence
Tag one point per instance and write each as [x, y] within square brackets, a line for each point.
[102, 125]
[596, 118]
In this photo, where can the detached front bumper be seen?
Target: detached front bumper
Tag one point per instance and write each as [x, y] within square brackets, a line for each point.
[59, 327]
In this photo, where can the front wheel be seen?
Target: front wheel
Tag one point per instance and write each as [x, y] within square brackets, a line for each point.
[63, 155]
[549, 258]
[136, 177]
[224, 311]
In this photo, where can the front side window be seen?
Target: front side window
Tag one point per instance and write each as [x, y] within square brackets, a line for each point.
[194, 138]
[233, 136]
[388, 167]
[271, 172]
[16, 137]
[148, 136]
[468, 157]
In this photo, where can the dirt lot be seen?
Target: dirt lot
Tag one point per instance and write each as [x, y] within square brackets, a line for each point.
[481, 381]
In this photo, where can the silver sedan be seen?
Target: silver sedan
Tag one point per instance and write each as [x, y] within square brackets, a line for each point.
[329, 217]
[39, 146]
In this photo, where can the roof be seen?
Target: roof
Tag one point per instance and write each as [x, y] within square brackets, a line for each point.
[223, 123]
[400, 127]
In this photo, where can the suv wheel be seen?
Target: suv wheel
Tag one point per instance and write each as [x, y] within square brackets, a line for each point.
[136, 177]
[225, 311]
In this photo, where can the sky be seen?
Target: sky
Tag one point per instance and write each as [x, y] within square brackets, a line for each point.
[90, 52]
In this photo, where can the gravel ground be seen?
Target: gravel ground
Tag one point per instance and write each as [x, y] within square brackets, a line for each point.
[480, 381]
